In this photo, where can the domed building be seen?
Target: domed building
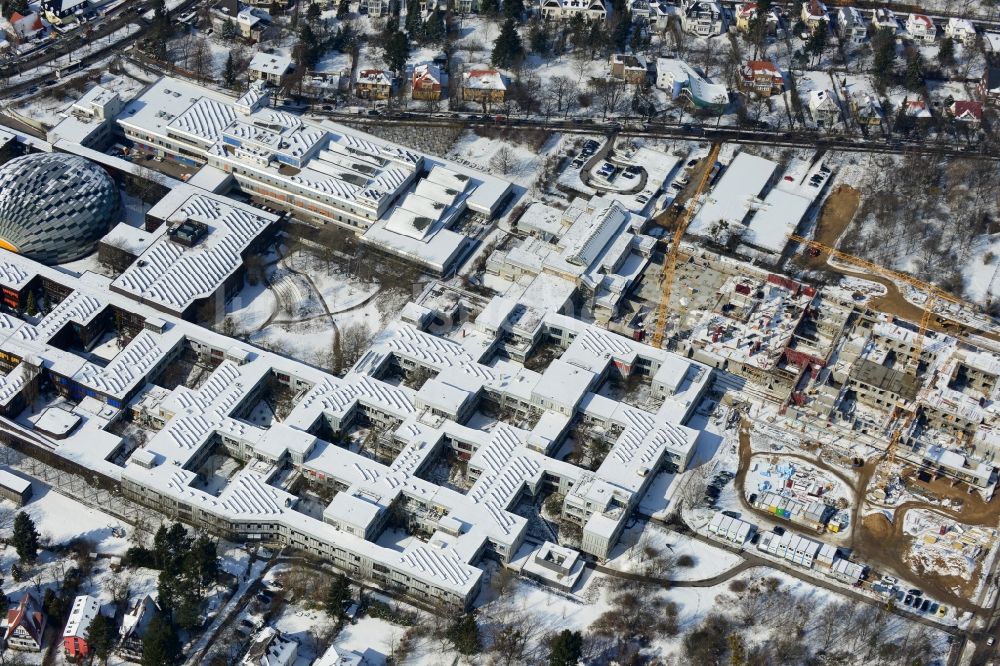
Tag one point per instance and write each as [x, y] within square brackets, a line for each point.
[55, 207]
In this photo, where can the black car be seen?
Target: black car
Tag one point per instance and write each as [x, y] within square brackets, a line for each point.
[909, 600]
[779, 530]
[925, 605]
[915, 592]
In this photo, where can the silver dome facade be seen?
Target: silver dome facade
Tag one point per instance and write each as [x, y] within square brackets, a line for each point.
[55, 207]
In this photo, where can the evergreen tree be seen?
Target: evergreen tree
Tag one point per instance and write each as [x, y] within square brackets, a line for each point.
[464, 634]
[489, 8]
[310, 46]
[914, 76]
[884, 49]
[160, 30]
[11, 6]
[201, 565]
[229, 31]
[817, 41]
[343, 9]
[513, 9]
[32, 304]
[597, 39]
[187, 608]
[622, 25]
[434, 30]
[565, 648]
[160, 645]
[946, 52]
[507, 49]
[229, 75]
[337, 597]
[413, 22]
[397, 51]
[25, 537]
[166, 592]
[313, 13]
[101, 635]
[538, 38]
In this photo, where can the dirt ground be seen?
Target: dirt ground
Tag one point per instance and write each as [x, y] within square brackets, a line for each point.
[880, 542]
[838, 211]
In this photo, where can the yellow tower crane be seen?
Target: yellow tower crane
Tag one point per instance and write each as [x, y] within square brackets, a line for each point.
[670, 262]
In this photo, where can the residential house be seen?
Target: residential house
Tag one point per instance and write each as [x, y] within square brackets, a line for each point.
[966, 111]
[762, 78]
[851, 26]
[824, 108]
[921, 28]
[377, 8]
[133, 628]
[252, 23]
[681, 80]
[961, 30]
[483, 85]
[564, 10]
[631, 68]
[335, 656]
[991, 42]
[374, 84]
[867, 110]
[60, 12]
[660, 15]
[85, 609]
[467, 6]
[270, 648]
[640, 9]
[25, 27]
[702, 17]
[272, 68]
[989, 85]
[747, 12]
[916, 110]
[814, 15]
[25, 627]
[428, 82]
[884, 19]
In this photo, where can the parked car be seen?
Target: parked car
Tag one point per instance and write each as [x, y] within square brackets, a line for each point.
[909, 600]
[925, 605]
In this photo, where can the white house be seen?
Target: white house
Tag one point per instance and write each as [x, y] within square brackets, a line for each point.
[564, 10]
[921, 28]
[270, 648]
[702, 17]
[269, 67]
[851, 26]
[814, 14]
[883, 18]
[961, 30]
[824, 108]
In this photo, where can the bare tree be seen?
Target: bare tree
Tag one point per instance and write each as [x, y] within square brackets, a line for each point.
[354, 340]
[201, 59]
[504, 161]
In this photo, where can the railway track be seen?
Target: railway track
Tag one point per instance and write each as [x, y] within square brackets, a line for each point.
[811, 140]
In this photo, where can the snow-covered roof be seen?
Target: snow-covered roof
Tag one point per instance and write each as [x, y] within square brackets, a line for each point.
[483, 79]
[770, 226]
[731, 198]
[173, 276]
[269, 63]
[85, 609]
